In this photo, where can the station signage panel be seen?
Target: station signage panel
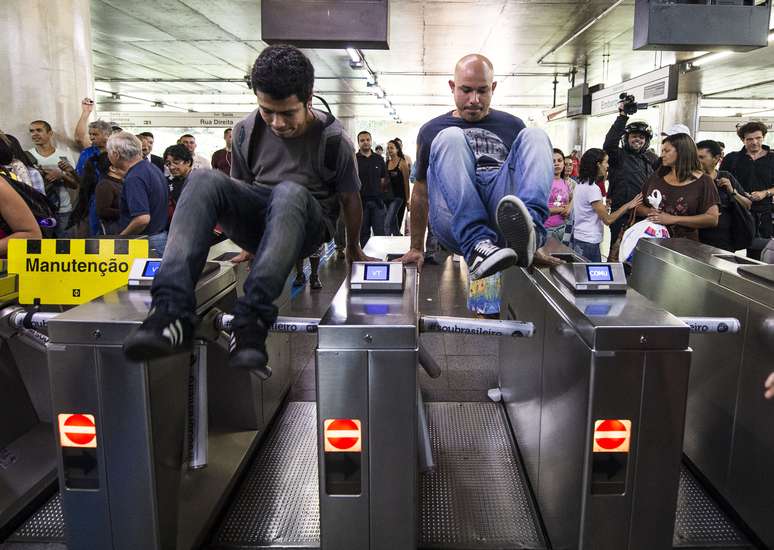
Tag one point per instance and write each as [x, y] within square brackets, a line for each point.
[171, 120]
[654, 87]
[730, 123]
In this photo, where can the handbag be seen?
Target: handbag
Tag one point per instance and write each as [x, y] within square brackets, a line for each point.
[615, 248]
[742, 225]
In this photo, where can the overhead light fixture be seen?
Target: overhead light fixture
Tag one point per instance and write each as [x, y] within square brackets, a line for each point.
[377, 91]
[355, 59]
[711, 58]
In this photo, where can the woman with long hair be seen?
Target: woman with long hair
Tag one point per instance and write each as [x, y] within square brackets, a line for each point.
[680, 195]
[559, 199]
[16, 219]
[589, 207]
[398, 187]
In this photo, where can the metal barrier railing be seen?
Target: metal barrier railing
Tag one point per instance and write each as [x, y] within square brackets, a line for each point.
[477, 327]
[712, 325]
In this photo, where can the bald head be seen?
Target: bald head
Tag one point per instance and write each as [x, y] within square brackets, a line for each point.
[472, 87]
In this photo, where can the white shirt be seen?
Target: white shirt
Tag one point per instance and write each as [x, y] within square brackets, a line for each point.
[200, 162]
[51, 161]
[588, 226]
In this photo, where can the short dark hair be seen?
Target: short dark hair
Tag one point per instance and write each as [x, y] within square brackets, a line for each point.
[722, 145]
[184, 136]
[178, 152]
[687, 156]
[226, 131]
[710, 145]
[45, 124]
[147, 135]
[588, 169]
[558, 151]
[361, 132]
[282, 71]
[751, 127]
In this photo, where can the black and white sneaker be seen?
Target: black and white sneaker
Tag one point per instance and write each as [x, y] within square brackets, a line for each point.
[247, 346]
[160, 335]
[488, 259]
[516, 226]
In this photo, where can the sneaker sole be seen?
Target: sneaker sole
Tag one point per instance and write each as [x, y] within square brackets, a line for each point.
[516, 226]
[143, 347]
[502, 265]
[252, 360]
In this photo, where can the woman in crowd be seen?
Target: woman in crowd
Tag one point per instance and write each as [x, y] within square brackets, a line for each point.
[589, 209]
[108, 198]
[729, 189]
[16, 219]
[559, 199]
[398, 187]
[689, 198]
[23, 165]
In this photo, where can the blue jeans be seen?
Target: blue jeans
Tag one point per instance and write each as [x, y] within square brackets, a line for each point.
[391, 218]
[278, 224]
[463, 201]
[158, 242]
[373, 216]
[590, 251]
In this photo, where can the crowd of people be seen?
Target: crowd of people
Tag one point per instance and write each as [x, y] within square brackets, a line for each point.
[485, 186]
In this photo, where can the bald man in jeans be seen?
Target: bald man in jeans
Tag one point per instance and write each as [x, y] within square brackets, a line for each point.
[482, 178]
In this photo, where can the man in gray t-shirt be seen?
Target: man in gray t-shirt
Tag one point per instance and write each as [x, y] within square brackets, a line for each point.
[292, 168]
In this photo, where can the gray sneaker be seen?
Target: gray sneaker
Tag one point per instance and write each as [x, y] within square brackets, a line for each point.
[516, 226]
[489, 259]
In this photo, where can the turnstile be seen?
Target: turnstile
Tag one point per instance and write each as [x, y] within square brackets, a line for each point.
[729, 429]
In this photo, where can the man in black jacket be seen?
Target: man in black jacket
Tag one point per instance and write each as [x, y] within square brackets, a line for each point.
[753, 166]
[630, 163]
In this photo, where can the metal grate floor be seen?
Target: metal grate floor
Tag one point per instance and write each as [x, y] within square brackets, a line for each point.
[45, 525]
[700, 523]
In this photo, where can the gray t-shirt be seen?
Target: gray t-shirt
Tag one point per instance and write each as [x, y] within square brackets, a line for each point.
[300, 160]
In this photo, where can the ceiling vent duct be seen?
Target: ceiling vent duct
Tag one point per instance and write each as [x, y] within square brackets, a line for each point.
[694, 25]
[335, 24]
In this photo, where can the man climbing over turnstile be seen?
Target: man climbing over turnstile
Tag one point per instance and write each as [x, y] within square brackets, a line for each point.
[486, 176]
[292, 167]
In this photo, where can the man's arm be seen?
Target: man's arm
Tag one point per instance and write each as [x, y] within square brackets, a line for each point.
[352, 210]
[137, 225]
[419, 208]
[82, 127]
[613, 136]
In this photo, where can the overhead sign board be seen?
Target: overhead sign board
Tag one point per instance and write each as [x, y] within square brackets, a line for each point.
[172, 120]
[730, 123]
[654, 87]
[71, 271]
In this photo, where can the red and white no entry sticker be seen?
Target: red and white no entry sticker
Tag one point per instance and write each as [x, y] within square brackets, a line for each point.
[342, 435]
[77, 430]
[612, 436]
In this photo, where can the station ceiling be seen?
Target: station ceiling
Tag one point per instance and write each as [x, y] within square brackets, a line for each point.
[194, 55]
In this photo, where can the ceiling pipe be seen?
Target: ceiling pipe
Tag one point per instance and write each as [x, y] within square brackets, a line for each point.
[579, 32]
[497, 75]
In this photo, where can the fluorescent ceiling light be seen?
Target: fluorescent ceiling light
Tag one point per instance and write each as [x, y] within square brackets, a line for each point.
[711, 58]
[354, 56]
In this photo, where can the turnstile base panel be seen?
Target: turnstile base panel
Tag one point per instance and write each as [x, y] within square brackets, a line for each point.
[700, 522]
[476, 498]
[45, 525]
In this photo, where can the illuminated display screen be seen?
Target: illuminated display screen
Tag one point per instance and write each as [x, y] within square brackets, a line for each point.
[598, 309]
[151, 268]
[377, 309]
[599, 273]
[377, 272]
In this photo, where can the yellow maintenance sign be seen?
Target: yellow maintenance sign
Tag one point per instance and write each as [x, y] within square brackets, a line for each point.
[71, 271]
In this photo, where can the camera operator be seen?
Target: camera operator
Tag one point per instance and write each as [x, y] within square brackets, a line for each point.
[630, 161]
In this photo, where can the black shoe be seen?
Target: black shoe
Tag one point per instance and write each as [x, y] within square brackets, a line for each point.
[488, 259]
[300, 279]
[315, 283]
[247, 346]
[160, 335]
[516, 226]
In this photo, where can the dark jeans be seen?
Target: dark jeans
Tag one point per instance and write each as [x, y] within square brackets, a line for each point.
[278, 224]
[373, 216]
[590, 251]
[391, 217]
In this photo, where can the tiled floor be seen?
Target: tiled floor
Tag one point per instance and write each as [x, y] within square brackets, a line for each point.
[468, 363]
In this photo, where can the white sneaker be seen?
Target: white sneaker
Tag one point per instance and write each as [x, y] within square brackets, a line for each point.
[488, 259]
[516, 226]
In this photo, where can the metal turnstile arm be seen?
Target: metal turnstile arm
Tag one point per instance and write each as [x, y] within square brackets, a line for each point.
[477, 327]
[712, 325]
[427, 362]
[33, 320]
[306, 325]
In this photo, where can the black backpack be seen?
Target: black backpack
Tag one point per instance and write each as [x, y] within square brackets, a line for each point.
[37, 203]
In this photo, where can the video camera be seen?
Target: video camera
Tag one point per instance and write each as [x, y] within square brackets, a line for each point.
[630, 105]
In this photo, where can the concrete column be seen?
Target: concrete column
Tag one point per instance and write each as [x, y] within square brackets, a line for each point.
[683, 110]
[45, 55]
[576, 134]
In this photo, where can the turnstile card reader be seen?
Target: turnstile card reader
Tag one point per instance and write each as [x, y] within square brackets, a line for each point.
[593, 277]
[142, 272]
[377, 276]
